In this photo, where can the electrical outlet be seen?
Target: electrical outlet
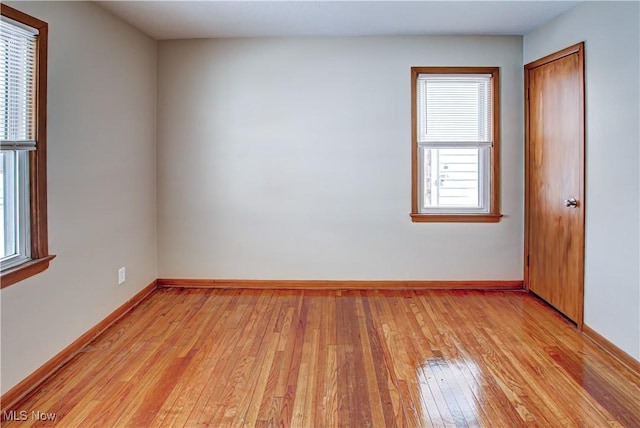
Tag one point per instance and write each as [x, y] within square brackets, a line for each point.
[122, 275]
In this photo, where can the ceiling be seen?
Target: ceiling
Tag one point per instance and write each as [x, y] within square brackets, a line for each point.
[216, 19]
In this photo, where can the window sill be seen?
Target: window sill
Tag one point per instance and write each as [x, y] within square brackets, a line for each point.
[24, 271]
[456, 218]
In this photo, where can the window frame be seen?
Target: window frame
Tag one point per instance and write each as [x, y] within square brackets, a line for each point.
[38, 229]
[493, 215]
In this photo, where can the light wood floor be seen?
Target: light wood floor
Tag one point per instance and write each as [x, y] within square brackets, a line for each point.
[326, 358]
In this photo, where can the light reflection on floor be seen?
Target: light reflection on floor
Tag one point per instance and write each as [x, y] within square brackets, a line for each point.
[448, 392]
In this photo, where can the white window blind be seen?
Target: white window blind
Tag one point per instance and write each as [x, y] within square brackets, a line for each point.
[454, 109]
[17, 86]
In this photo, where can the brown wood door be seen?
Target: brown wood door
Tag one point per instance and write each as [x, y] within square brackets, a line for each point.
[554, 183]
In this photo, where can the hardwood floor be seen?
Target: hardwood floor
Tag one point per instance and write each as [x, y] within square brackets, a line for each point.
[219, 358]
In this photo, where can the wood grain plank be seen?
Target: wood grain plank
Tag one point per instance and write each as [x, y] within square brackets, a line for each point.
[241, 357]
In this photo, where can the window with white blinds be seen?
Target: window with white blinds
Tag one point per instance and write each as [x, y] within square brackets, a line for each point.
[23, 188]
[17, 85]
[454, 141]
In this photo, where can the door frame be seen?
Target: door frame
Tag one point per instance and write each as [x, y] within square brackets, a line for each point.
[579, 49]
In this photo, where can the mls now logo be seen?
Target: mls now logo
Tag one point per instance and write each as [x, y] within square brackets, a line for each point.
[23, 415]
[15, 415]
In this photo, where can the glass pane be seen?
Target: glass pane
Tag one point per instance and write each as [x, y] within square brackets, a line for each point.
[2, 222]
[15, 245]
[451, 177]
[8, 204]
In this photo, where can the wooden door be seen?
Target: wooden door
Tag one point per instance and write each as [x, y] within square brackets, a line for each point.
[554, 180]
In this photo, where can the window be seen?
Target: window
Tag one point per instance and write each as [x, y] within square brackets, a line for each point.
[23, 202]
[455, 163]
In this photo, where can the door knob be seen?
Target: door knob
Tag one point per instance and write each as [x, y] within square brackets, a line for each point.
[571, 203]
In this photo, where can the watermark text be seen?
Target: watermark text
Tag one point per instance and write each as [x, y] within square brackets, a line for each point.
[23, 415]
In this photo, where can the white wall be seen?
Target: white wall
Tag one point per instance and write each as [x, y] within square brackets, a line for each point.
[290, 159]
[611, 32]
[101, 149]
